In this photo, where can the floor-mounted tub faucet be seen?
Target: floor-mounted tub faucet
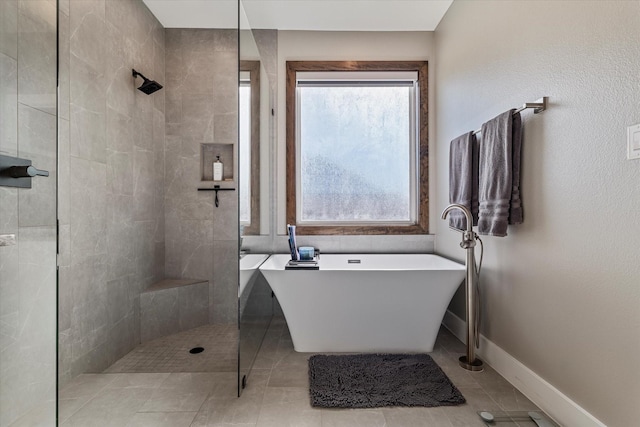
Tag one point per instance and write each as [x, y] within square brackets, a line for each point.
[469, 362]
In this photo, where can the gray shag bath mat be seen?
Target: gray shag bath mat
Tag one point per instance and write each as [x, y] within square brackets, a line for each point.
[377, 380]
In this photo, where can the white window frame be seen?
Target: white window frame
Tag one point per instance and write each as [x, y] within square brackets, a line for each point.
[364, 78]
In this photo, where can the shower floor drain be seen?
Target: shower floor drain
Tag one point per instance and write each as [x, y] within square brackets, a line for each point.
[196, 350]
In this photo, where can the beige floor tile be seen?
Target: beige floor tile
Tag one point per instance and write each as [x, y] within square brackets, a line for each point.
[68, 407]
[478, 399]
[286, 377]
[79, 391]
[222, 412]
[458, 376]
[415, 417]
[277, 392]
[110, 408]
[510, 399]
[162, 419]
[289, 416]
[353, 418]
[85, 385]
[148, 380]
[41, 416]
[463, 416]
[288, 407]
[181, 392]
[489, 378]
[218, 410]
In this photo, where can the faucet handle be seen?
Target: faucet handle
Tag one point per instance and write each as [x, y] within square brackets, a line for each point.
[468, 239]
[26, 172]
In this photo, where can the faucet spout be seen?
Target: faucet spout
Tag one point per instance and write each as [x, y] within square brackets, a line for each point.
[465, 211]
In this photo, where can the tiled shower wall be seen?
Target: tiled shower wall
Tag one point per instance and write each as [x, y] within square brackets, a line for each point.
[124, 189]
[28, 269]
[111, 157]
[201, 108]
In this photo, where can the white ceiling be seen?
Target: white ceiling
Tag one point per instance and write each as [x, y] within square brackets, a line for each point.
[322, 15]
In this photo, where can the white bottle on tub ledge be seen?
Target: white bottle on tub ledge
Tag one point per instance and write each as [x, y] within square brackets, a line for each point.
[217, 169]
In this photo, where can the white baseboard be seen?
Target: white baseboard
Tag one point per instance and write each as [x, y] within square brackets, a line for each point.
[552, 401]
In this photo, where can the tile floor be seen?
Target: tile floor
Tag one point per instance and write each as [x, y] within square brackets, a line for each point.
[171, 353]
[276, 395]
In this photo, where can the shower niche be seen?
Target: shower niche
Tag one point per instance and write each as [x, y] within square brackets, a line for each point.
[208, 156]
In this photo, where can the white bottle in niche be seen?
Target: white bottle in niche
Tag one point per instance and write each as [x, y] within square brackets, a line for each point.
[217, 169]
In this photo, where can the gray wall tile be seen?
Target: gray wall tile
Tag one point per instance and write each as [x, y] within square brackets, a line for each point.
[167, 311]
[8, 105]
[120, 297]
[29, 363]
[193, 303]
[8, 210]
[224, 299]
[135, 173]
[64, 193]
[120, 130]
[201, 239]
[9, 296]
[64, 59]
[197, 117]
[159, 314]
[121, 85]
[115, 176]
[28, 269]
[37, 135]
[9, 28]
[88, 111]
[37, 54]
[87, 30]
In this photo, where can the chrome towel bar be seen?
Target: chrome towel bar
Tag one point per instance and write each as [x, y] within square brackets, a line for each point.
[538, 107]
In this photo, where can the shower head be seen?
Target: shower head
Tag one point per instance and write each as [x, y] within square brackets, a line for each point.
[148, 86]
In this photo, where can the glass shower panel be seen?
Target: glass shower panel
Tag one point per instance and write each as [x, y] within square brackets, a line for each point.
[28, 236]
[255, 300]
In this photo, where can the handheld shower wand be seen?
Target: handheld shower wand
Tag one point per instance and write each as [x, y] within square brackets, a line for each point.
[469, 362]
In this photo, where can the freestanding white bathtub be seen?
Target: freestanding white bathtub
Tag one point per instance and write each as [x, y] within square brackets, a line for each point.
[249, 264]
[383, 303]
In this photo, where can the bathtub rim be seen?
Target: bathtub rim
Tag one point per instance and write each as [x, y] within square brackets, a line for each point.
[276, 262]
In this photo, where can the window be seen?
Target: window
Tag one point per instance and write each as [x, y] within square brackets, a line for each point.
[249, 146]
[357, 147]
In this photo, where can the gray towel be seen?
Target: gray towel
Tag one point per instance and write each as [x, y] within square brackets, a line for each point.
[463, 179]
[496, 172]
[515, 208]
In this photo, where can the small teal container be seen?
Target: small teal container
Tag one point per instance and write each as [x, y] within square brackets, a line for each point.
[306, 253]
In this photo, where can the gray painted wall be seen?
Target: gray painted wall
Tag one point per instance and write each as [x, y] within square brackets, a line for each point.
[560, 293]
[111, 199]
[333, 45]
[28, 269]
